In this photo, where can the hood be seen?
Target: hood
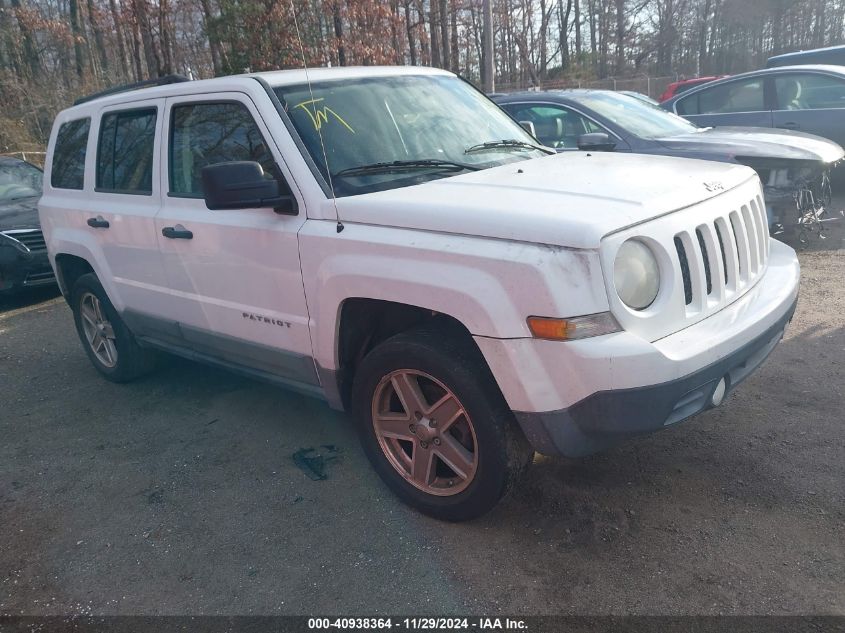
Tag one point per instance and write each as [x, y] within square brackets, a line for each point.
[756, 142]
[21, 213]
[571, 199]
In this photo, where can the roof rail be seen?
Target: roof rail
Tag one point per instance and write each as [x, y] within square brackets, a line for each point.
[156, 81]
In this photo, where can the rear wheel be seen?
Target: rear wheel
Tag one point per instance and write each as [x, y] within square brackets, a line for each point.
[435, 426]
[110, 346]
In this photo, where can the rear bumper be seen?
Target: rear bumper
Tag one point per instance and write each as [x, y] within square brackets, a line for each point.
[19, 270]
[611, 417]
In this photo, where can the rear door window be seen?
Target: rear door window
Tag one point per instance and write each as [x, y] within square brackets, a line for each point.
[809, 91]
[744, 95]
[68, 169]
[204, 134]
[125, 152]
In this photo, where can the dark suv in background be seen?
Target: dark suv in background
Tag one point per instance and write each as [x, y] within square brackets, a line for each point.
[23, 254]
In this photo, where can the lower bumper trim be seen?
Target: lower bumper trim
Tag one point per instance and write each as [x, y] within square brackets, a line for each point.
[607, 418]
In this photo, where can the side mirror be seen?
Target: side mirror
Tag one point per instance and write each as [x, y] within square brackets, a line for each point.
[596, 142]
[528, 126]
[244, 185]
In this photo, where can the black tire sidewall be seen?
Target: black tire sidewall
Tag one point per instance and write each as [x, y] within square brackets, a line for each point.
[457, 366]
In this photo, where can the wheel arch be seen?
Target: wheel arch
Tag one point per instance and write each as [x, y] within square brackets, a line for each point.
[69, 268]
[363, 323]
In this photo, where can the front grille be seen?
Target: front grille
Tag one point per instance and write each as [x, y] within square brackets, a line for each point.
[722, 257]
[33, 239]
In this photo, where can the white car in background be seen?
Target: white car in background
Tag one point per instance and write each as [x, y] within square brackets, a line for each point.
[378, 237]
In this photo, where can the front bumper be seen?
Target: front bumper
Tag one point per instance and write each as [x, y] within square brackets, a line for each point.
[579, 397]
[611, 417]
[19, 270]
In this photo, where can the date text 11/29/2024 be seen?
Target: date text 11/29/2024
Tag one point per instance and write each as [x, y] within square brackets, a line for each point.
[418, 624]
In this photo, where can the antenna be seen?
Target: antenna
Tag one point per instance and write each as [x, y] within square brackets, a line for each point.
[319, 132]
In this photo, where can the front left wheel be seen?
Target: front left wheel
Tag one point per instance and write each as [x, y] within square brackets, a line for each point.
[107, 341]
[435, 426]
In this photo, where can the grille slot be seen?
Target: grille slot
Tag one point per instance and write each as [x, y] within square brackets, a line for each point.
[33, 239]
[682, 258]
[704, 255]
[722, 250]
[741, 245]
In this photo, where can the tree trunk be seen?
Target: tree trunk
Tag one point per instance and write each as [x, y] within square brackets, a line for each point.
[78, 38]
[409, 28]
[150, 52]
[577, 5]
[338, 34]
[620, 37]
[213, 39]
[164, 38]
[434, 24]
[487, 73]
[137, 45]
[455, 53]
[121, 43]
[446, 45]
[591, 6]
[32, 58]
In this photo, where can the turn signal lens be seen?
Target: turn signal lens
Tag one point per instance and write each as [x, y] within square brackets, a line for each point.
[574, 328]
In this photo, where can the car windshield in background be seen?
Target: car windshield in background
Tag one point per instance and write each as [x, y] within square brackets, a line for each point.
[389, 132]
[636, 116]
[19, 180]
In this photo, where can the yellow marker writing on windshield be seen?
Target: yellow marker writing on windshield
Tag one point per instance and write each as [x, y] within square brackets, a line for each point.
[318, 117]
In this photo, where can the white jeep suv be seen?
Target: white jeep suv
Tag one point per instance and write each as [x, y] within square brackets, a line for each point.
[379, 238]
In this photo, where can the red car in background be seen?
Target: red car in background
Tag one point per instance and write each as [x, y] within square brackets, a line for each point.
[677, 87]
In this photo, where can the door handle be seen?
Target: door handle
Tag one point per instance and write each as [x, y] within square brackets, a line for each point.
[177, 232]
[98, 223]
[790, 125]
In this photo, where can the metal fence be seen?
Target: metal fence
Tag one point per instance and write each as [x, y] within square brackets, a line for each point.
[651, 86]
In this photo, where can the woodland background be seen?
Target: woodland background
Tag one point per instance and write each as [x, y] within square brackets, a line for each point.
[52, 51]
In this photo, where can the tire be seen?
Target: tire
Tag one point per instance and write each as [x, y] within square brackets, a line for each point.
[472, 427]
[115, 354]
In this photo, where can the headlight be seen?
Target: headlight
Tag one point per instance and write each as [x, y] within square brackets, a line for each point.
[636, 275]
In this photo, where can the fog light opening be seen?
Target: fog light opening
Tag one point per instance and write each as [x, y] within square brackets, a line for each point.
[719, 393]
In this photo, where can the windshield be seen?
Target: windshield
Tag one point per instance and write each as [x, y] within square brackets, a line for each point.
[429, 118]
[19, 180]
[636, 116]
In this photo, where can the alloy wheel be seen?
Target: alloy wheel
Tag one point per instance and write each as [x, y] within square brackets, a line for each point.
[425, 432]
[98, 330]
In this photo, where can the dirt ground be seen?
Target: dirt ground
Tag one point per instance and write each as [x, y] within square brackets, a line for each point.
[178, 494]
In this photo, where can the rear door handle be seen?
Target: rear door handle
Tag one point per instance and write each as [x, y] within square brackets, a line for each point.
[177, 232]
[98, 223]
[791, 125]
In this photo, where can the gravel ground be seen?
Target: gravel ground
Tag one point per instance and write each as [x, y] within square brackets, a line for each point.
[178, 494]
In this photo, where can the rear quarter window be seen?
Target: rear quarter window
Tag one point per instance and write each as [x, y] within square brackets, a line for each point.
[125, 152]
[687, 105]
[68, 168]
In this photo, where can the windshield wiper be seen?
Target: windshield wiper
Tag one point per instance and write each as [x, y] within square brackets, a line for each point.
[507, 144]
[406, 165]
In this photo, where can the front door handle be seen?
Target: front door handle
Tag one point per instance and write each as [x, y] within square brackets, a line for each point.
[177, 232]
[790, 125]
[98, 223]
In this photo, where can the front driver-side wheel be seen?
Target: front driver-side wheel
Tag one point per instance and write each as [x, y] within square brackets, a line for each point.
[435, 426]
[110, 346]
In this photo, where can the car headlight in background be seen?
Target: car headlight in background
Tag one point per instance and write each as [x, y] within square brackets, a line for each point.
[8, 240]
[636, 275]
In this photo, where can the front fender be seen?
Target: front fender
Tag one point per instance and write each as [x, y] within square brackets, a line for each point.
[489, 285]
